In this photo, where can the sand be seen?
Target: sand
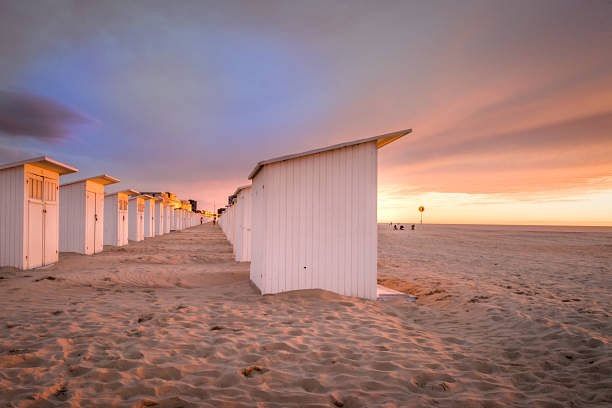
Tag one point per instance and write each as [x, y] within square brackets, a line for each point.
[504, 317]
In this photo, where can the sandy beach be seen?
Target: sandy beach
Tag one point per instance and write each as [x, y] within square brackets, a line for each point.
[504, 316]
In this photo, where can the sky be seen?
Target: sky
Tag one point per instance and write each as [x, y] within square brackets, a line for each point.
[510, 102]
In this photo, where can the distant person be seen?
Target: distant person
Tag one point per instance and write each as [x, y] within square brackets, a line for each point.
[412, 227]
[395, 227]
[401, 227]
[201, 220]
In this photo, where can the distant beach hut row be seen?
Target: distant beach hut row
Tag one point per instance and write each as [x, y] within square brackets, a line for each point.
[309, 220]
[40, 218]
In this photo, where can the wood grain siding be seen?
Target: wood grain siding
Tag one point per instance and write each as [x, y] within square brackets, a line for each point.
[12, 217]
[314, 223]
[136, 219]
[242, 244]
[167, 219]
[111, 220]
[72, 218]
[149, 218]
[159, 217]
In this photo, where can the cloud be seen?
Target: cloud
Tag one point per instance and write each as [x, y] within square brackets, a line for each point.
[10, 154]
[27, 115]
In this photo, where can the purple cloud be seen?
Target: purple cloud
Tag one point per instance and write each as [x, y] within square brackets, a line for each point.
[27, 115]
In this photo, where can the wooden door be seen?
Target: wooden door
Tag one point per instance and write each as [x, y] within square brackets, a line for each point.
[99, 223]
[90, 221]
[141, 220]
[51, 221]
[123, 222]
[35, 221]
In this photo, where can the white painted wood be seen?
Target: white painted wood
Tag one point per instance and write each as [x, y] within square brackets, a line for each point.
[116, 218]
[167, 219]
[149, 217]
[160, 213]
[313, 222]
[242, 224]
[136, 206]
[13, 209]
[82, 215]
[176, 218]
[28, 212]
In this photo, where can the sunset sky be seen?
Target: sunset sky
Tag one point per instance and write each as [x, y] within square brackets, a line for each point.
[510, 102]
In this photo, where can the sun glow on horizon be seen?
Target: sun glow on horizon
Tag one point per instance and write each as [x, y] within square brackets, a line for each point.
[574, 209]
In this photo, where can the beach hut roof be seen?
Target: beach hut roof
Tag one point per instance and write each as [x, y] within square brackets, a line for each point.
[46, 163]
[239, 189]
[145, 196]
[129, 192]
[103, 179]
[381, 140]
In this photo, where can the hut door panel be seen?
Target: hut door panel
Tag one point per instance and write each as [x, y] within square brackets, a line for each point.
[124, 228]
[51, 221]
[35, 249]
[99, 224]
[124, 224]
[90, 227]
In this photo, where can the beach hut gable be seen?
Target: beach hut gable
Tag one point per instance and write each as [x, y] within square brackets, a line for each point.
[82, 214]
[29, 214]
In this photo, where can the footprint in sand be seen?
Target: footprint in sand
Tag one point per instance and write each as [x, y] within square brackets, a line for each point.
[61, 393]
[253, 371]
[145, 317]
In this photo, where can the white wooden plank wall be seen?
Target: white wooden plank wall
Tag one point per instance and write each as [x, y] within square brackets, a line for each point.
[12, 217]
[72, 218]
[314, 223]
[111, 220]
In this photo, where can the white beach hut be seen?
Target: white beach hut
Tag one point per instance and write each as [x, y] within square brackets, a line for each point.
[314, 219]
[182, 222]
[167, 218]
[149, 216]
[136, 207]
[242, 224]
[176, 222]
[29, 213]
[82, 214]
[116, 217]
[160, 213]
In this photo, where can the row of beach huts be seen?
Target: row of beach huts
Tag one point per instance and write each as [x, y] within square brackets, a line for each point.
[309, 220]
[39, 217]
[306, 221]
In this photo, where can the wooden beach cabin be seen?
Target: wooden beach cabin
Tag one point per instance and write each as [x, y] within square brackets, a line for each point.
[167, 218]
[136, 208]
[160, 203]
[82, 214]
[160, 214]
[149, 216]
[29, 212]
[242, 224]
[314, 219]
[177, 219]
[116, 217]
